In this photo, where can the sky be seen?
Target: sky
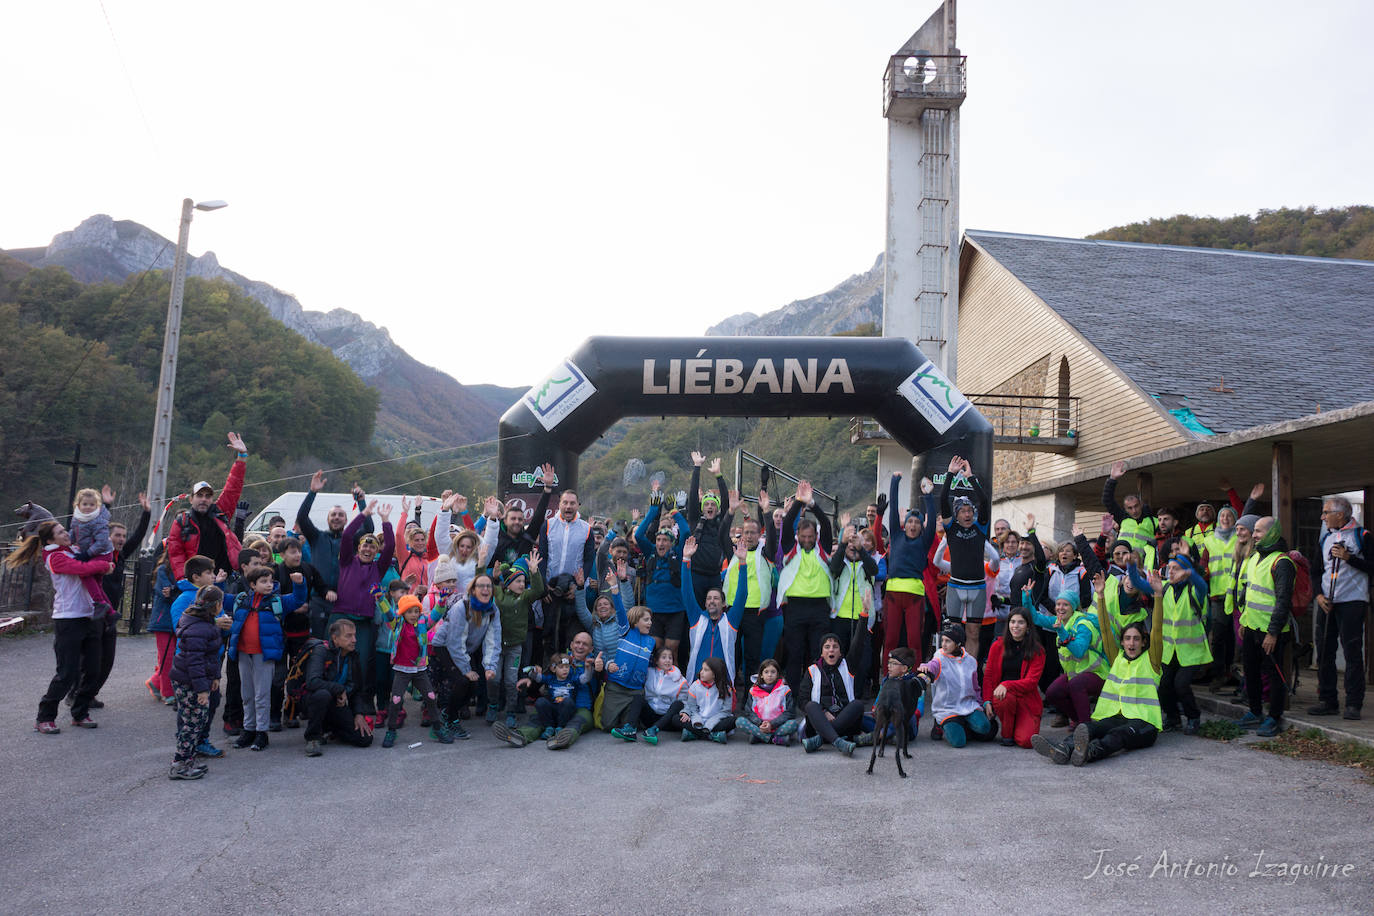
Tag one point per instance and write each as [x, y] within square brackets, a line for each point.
[493, 182]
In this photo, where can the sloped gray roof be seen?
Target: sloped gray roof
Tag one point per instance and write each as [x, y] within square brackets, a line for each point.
[1288, 333]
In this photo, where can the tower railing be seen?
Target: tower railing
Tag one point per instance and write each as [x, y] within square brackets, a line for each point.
[915, 82]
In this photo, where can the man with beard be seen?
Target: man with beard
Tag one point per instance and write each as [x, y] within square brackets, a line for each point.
[324, 550]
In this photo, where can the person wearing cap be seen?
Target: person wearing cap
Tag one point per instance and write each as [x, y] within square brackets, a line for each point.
[1079, 645]
[908, 552]
[1184, 637]
[663, 570]
[966, 539]
[703, 518]
[956, 702]
[519, 587]
[204, 529]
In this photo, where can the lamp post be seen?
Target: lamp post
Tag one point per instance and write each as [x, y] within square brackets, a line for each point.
[166, 383]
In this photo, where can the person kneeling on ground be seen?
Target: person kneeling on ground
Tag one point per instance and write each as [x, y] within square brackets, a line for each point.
[833, 711]
[333, 695]
[960, 713]
[1127, 716]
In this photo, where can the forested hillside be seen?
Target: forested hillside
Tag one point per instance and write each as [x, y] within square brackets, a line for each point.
[1341, 232]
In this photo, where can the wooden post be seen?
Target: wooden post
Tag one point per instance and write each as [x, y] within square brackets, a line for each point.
[1145, 484]
[1281, 486]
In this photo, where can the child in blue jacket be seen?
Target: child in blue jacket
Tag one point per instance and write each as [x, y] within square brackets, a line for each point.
[256, 641]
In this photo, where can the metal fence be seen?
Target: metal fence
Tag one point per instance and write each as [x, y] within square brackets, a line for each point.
[777, 497]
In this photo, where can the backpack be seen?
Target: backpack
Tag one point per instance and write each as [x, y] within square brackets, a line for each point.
[1302, 583]
[294, 688]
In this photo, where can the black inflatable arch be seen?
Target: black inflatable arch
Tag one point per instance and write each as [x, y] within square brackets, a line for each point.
[608, 378]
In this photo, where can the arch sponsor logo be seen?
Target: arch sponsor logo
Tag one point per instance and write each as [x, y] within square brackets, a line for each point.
[934, 396]
[562, 392]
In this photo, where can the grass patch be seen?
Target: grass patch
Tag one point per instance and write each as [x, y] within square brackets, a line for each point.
[1313, 744]
[1220, 730]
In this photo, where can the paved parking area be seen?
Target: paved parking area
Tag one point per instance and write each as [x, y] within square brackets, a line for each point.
[92, 824]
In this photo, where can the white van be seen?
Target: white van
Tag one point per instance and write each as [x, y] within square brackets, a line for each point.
[287, 504]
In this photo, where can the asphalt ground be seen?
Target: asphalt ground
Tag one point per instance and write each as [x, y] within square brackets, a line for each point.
[91, 824]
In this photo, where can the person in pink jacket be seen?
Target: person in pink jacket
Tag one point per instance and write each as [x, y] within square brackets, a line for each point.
[76, 635]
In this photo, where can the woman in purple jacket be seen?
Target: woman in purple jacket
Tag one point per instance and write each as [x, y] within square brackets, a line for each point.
[362, 563]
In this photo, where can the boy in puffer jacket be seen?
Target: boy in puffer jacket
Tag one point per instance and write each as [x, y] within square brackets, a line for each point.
[256, 641]
[769, 713]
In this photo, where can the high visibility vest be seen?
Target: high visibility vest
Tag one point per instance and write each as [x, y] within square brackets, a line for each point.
[1111, 597]
[1197, 537]
[1131, 690]
[1182, 630]
[760, 573]
[1140, 534]
[1259, 592]
[1221, 562]
[1094, 660]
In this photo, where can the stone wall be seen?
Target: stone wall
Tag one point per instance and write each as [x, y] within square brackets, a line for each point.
[1013, 468]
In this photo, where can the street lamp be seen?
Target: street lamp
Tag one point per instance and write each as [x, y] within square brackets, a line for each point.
[166, 383]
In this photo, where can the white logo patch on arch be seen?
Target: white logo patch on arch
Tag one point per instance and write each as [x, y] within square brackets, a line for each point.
[934, 395]
[565, 388]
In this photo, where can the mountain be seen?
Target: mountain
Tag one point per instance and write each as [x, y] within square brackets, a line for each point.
[421, 407]
[857, 300]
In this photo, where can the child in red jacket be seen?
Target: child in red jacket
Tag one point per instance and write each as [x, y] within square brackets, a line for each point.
[1011, 679]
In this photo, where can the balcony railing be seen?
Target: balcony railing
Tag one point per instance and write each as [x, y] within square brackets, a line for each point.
[915, 82]
[1019, 422]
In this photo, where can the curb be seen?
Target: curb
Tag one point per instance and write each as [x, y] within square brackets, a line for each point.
[1232, 710]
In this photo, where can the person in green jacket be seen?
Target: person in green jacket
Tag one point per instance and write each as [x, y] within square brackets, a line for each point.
[520, 586]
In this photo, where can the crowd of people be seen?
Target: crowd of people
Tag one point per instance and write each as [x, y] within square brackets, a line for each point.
[762, 618]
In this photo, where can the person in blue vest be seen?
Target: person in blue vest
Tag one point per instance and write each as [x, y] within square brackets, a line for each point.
[712, 631]
[663, 571]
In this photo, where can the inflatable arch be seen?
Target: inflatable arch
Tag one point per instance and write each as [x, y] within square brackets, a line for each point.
[608, 378]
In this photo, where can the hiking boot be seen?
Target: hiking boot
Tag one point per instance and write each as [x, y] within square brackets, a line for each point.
[1323, 709]
[936, 732]
[493, 713]
[1080, 745]
[206, 749]
[548, 733]
[511, 721]
[1192, 726]
[1059, 721]
[87, 722]
[688, 735]
[1057, 751]
[47, 728]
[389, 739]
[812, 744]
[1270, 728]
[186, 770]
[440, 734]
[312, 749]
[845, 746]
[292, 723]
[1248, 721]
[625, 733]
[651, 735]
[563, 739]
[782, 740]
[508, 735]
[719, 737]
[1172, 724]
[1351, 713]
[1096, 751]
[259, 741]
[245, 739]
[864, 740]
[455, 730]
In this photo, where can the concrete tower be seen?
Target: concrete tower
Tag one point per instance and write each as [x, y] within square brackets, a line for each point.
[923, 87]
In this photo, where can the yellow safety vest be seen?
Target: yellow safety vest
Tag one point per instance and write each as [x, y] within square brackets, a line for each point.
[1182, 631]
[1131, 690]
[1094, 660]
[1111, 597]
[1140, 534]
[1259, 593]
[1221, 562]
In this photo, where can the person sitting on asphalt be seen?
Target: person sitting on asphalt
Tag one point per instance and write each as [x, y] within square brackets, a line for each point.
[333, 691]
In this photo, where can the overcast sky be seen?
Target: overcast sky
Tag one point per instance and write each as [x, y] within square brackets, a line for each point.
[493, 182]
